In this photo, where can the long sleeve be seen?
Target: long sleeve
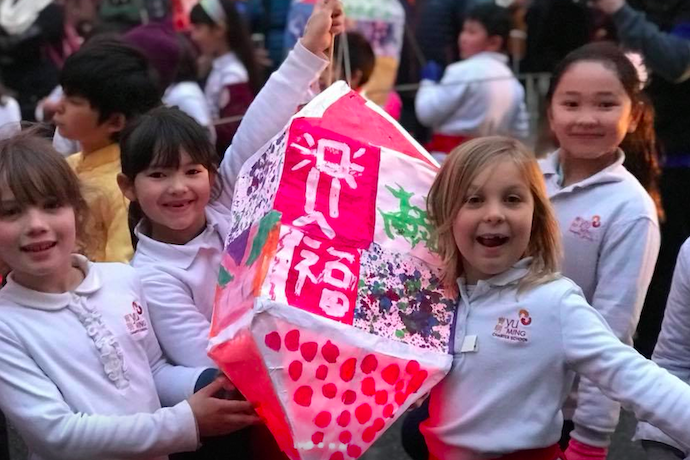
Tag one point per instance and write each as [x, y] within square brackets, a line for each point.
[181, 328]
[592, 350]
[174, 383]
[666, 54]
[672, 351]
[625, 269]
[118, 245]
[270, 111]
[435, 102]
[35, 405]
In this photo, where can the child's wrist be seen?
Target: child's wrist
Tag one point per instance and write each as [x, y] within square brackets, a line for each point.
[313, 48]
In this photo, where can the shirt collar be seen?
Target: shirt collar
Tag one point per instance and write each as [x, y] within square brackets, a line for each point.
[51, 301]
[106, 155]
[500, 57]
[224, 60]
[511, 276]
[180, 255]
[612, 173]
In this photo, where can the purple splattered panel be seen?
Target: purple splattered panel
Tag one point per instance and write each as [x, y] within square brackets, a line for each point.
[401, 298]
[257, 187]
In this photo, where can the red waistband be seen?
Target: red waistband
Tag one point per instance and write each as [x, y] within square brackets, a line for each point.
[445, 144]
[547, 453]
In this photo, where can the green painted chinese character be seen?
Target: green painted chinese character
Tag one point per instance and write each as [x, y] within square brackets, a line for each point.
[410, 221]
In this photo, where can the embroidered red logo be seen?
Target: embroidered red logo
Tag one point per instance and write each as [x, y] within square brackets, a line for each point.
[583, 227]
[513, 329]
[136, 321]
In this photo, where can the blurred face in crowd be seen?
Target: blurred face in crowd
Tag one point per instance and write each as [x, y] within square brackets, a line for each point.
[590, 112]
[474, 39]
[209, 39]
[77, 120]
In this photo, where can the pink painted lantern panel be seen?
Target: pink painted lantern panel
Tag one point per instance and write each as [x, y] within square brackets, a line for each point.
[330, 316]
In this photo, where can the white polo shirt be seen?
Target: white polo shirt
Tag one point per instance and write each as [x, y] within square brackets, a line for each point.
[672, 351]
[506, 393]
[81, 372]
[611, 242]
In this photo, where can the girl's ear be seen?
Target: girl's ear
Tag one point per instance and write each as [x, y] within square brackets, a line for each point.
[126, 187]
[635, 117]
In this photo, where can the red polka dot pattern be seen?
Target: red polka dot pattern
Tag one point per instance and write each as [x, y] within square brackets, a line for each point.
[330, 352]
[363, 413]
[323, 419]
[375, 387]
[295, 370]
[347, 370]
[272, 341]
[344, 418]
[354, 450]
[345, 437]
[329, 390]
[390, 374]
[368, 386]
[369, 364]
[303, 396]
[292, 340]
[308, 351]
[349, 397]
[368, 435]
[322, 372]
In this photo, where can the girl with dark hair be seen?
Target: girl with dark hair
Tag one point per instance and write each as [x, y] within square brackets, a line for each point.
[185, 92]
[604, 203]
[221, 33]
[81, 372]
[181, 197]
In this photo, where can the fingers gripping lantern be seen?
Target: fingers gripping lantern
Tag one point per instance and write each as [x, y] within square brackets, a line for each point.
[329, 312]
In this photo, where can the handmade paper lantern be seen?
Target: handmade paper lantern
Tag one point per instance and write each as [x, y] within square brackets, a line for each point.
[329, 312]
[381, 22]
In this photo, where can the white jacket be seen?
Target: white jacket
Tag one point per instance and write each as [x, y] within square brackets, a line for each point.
[226, 70]
[507, 395]
[611, 242]
[672, 351]
[81, 372]
[180, 280]
[479, 96]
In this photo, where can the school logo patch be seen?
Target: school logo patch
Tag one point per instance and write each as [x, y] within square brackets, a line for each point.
[515, 329]
[584, 228]
[136, 321]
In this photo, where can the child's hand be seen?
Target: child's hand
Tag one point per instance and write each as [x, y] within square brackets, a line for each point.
[215, 416]
[326, 21]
